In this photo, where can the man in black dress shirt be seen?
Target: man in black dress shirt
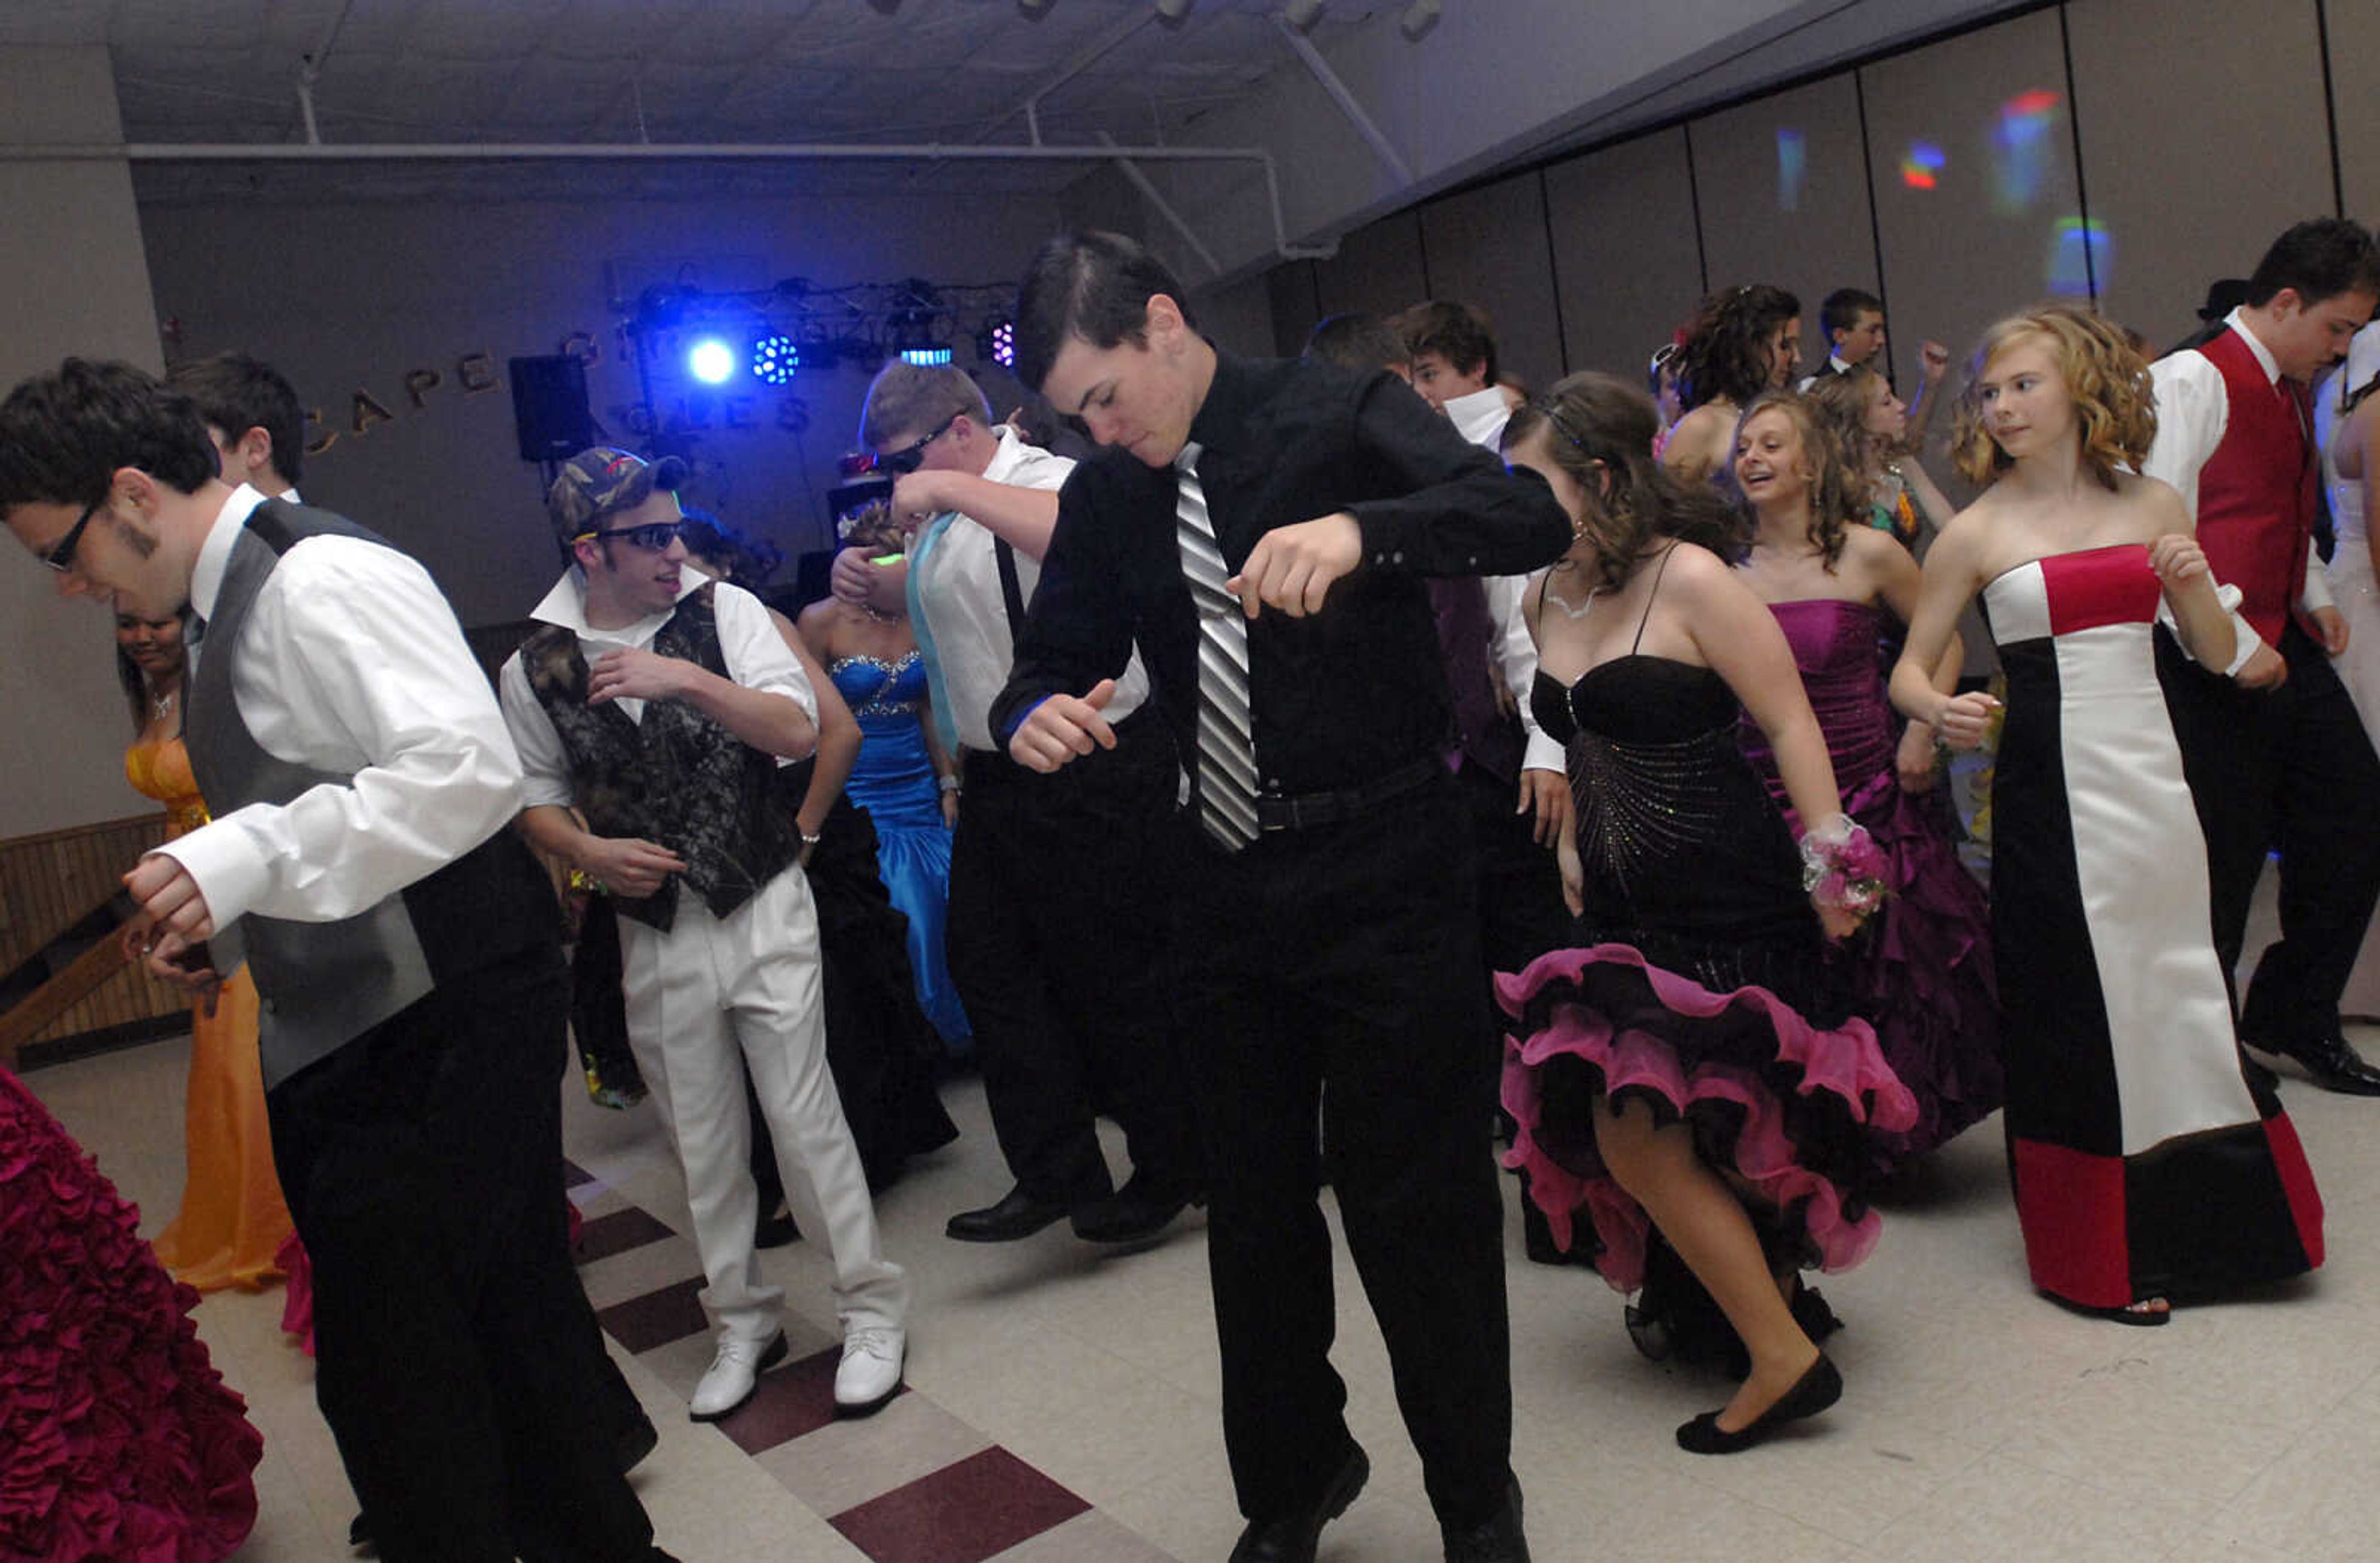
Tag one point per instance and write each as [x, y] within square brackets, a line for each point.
[1328, 955]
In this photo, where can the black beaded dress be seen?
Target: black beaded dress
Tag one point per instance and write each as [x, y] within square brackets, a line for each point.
[1699, 984]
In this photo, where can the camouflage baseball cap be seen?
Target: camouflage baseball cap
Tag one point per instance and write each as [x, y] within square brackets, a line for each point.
[595, 482]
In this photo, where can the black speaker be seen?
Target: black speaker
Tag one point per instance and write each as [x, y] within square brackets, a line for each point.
[550, 407]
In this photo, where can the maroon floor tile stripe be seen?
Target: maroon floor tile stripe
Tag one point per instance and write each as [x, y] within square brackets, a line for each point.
[963, 1513]
[656, 1318]
[599, 1237]
[789, 1402]
[574, 1175]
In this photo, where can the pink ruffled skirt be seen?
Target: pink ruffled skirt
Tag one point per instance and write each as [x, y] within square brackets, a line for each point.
[1788, 1106]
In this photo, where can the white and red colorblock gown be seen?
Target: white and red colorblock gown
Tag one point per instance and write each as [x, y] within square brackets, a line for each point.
[2145, 1164]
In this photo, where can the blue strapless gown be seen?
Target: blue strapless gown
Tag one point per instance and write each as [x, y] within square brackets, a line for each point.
[894, 781]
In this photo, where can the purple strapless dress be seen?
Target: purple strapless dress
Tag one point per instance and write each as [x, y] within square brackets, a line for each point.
[1921, 969]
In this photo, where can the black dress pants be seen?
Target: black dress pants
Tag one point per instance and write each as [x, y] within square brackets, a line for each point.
[2292, 769]
[1332, 976]
[458, 1364]
[1521, 911]
[1060, 901]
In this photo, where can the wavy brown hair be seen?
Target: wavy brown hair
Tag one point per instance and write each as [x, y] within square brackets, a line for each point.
[1841, 401]
[2115, 408]
[1726, 350]
[1597, 425]
[1838, 492]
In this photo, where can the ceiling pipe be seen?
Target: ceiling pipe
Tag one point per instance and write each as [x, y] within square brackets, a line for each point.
[1117, 33]
[1164, 207]
[1311, 57]
[310, 71]
[640, 151]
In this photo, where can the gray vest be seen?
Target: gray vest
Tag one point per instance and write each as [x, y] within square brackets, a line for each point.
[324, 984]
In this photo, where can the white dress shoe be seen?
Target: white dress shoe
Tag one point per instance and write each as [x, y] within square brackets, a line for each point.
[734, 1375]
[871, 1373]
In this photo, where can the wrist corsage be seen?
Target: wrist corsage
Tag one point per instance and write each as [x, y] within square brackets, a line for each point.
[1843, 868]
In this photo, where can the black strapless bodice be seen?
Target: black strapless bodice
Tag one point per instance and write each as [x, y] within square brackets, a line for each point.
[1685, 855]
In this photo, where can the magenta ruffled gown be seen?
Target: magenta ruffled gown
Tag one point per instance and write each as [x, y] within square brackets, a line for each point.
[118, 1439]
[1699, 986]
[1921, 970]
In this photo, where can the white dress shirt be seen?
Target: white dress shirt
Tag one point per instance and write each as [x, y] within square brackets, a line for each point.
[350, 661]
[1480, 419]
[755, 655]
[966, 612]
[2194, 409]
[1480, 416]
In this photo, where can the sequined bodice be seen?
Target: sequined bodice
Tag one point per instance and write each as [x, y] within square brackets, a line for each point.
[876, 689]
[1675, 832]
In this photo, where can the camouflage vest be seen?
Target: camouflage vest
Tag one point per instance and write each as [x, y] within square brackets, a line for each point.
[678, 779]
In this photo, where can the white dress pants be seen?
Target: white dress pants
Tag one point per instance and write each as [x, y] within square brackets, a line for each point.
[706, 999]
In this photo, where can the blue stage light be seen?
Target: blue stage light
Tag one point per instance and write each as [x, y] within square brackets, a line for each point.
[712, 361]
[926, 357]
[774, 360]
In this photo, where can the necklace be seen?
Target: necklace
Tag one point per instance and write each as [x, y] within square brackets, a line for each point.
[162, 706]
[1570, 611]
[879, 614]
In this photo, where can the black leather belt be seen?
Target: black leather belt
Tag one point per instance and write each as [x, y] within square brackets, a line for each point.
[1308, 810]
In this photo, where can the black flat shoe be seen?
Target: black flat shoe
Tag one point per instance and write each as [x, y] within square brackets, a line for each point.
[1019, 1215]
[1818, 1388]
[1810, 1311]
[1291, 1538]
[1142, 1208]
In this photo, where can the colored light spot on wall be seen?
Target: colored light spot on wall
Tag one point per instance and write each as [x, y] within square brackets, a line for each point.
[1922, 166]
[2021, 143]
[2081, 256]
[1792, 169]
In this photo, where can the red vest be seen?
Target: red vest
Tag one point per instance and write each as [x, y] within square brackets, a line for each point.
[2257, 493]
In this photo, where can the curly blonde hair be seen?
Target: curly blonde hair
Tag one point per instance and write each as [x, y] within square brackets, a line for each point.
[2115, 408]
[1837, 491]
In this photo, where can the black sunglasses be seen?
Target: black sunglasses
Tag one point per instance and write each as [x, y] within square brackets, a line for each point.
[652, 539]
[61, 558]
[911, 457]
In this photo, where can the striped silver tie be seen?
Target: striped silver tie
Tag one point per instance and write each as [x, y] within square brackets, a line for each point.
[1226, 751]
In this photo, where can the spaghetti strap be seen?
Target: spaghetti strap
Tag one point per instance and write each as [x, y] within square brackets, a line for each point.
[1658, 571]
[1544, 580]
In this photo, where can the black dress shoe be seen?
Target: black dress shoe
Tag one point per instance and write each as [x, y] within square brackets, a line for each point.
[1017, 1216]
[1818, 1388]
[2334, 1065]
[775, 1231]
[1495, 1540]
[1142, 1208]
[1290, 1538]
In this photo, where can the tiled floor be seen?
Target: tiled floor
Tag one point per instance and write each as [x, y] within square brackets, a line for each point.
[1063, 1404]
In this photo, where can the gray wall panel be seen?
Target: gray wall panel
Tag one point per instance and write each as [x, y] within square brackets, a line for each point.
[1488, 248]
[1625, 254]
[2202, 140]
[1784, 197]
[1999, 227]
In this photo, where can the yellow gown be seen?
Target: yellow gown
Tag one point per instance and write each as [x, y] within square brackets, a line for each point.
[233, 1220]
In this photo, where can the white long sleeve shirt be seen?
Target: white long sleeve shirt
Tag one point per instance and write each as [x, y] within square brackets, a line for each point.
[350, 661]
